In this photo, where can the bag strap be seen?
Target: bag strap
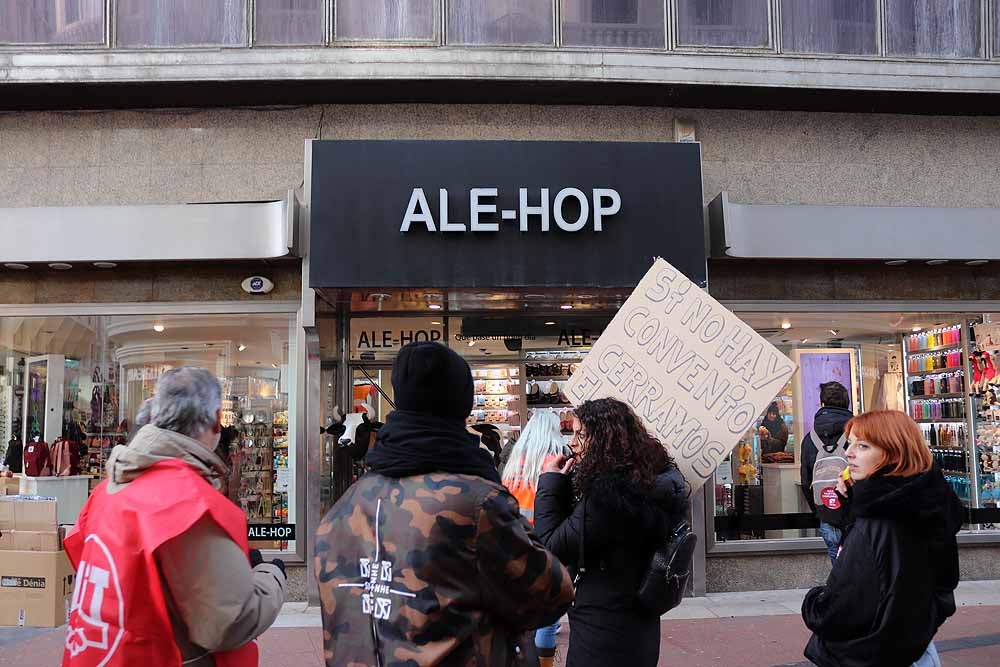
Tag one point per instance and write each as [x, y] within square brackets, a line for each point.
[581, 563]
[819, 442]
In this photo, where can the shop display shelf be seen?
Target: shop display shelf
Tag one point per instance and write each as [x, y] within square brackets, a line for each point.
[926, 397]
[550, 405]
[942, 420]
[936, 371]
[932, 350]
[554, 378]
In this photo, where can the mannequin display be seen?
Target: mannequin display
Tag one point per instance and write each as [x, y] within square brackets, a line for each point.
[37, 458]
[14, 459]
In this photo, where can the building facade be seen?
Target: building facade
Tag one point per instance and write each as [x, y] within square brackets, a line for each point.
[156, 156]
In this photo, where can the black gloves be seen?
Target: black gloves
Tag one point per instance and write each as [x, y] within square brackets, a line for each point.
[256, 559]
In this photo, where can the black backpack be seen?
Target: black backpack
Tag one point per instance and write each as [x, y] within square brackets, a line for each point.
[669, 572]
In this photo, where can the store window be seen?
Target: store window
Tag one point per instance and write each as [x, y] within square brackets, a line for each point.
[143, 23]
[934, 28]
[500, 22]
[82, 380]
[935, 367]
[740, 23]
[626, 24]
[829, 26]
[288, 22]
[52, 22]
[385, 20]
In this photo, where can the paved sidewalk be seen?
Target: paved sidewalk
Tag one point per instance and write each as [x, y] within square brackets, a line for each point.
[759, 629]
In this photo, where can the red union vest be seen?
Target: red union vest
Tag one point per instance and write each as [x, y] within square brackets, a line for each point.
[119, 614]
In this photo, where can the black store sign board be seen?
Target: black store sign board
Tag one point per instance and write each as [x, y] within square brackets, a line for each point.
[380, 219]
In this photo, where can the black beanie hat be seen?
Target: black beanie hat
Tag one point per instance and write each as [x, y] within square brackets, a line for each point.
[432, 379]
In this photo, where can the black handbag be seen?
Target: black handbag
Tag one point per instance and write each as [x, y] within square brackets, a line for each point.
[669, 572]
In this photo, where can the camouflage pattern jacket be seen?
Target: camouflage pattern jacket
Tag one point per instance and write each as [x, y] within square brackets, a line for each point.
[435, 569]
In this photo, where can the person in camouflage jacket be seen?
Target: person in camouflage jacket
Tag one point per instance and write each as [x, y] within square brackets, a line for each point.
[426, 560]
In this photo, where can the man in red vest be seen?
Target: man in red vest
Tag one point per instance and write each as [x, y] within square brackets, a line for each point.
[163, 571]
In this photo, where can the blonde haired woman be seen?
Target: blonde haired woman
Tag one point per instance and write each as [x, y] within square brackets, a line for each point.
[540, 441]
[893, 584]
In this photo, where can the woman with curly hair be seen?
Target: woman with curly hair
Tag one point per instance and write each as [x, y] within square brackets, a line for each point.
[628, 495]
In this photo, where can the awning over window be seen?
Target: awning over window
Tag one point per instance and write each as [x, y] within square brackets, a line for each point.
[852, 232]
[236, 231]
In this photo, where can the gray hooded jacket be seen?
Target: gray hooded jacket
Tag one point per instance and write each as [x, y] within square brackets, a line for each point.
[216, 602]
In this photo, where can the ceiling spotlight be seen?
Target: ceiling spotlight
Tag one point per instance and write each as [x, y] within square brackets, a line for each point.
[472, 343]
[805, 340]
[274, 366]
[105, 265]
[434, 306]
[241, 347]
[566, 306]
[977, 262]
[550, 323]
[16, 266]
[896, 262]
[834, 332]
[158, 328]
[936, 262]
[435, 323]
[916, 328]
[786, 325]
[60, 266]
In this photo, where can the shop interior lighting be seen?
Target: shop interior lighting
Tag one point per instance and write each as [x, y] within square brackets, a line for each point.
[16, 266]
[834, 332]
[916, 328]
[786, 325]
[805, 340]
[60, 266]
[566, 306]
[434, 306]
[435, 323]
[274, 366]
[241, 347]
[472, 343]
[105, 265]
[158, 328]
[550, 323]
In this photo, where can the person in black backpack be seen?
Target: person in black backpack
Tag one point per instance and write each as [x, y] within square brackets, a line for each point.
[827, 433]
[630, 496]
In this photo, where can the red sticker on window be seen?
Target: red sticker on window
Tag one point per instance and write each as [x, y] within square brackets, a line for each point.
[830, 498]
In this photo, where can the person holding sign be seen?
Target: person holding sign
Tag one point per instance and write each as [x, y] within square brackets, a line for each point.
[631, 496]
[893, 584]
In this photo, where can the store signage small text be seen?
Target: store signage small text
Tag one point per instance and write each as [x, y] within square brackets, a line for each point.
[697, 375]
[575, 338]
[271, 531]
[569, 210]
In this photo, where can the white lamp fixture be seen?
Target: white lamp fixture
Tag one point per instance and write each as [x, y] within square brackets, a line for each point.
[786, 325]
[158, 328]
[241, 347]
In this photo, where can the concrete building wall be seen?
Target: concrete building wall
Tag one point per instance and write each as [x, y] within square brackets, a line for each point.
[176, 156]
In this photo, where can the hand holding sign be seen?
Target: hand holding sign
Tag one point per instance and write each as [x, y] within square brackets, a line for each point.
[696, 374]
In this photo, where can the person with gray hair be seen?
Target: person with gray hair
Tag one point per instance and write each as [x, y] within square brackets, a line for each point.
[160, 514]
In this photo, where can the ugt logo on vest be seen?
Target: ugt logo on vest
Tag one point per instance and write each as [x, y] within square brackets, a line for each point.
[96, 622]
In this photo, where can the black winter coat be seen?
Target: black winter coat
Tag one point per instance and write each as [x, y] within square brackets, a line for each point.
[893, 584]
[621, 526]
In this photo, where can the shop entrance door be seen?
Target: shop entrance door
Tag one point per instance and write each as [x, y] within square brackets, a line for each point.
[44, 379]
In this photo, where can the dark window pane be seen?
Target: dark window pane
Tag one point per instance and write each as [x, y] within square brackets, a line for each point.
[722, 23]
[51, 21]
[628, 24]
[181, 22]
[289, 22]
[945, 28]
[500, 22]
[829, 26]
[385, 20]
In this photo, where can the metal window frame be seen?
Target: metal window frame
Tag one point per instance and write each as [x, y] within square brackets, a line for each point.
[714, 548]
[879, 41]
[556, 33]
[60, 46]
[292, 309]
[771, 46]
[246, 43]
[983, 40]
[436, 40]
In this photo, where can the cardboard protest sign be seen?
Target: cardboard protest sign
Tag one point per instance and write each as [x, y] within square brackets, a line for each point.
[696, 374]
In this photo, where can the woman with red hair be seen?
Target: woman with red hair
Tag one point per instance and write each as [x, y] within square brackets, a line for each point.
[893, 584]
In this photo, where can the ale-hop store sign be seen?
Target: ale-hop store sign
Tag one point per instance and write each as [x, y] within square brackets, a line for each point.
[381, 337]
[452, 214]
[696, 374]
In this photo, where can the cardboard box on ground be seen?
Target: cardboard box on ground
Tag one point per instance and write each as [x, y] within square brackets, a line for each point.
[36, 578]
[695, 373]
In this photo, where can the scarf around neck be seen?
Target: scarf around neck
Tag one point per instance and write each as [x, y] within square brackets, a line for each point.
[413, 443]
